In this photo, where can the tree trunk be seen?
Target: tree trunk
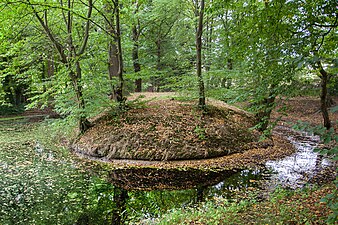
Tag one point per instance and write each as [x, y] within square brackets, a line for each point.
[115, 66]
[135, 55]
[201, 102]
[157, 79]
[136, 64]
[83, 123]
[230, 67]
[324, 96]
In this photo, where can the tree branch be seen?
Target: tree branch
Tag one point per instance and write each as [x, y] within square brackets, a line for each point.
[85, 39]
[49, 34]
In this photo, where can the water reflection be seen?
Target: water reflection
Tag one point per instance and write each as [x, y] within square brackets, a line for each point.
[152, 191]
[294, 171]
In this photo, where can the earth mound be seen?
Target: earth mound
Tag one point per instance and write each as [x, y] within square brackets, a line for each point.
[168, 129]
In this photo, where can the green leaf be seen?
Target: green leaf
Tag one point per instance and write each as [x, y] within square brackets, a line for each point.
[73, 195]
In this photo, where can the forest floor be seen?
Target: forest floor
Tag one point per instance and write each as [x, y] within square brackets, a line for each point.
[304, 109]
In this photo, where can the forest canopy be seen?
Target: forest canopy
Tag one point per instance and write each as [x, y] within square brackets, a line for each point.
[82, 57]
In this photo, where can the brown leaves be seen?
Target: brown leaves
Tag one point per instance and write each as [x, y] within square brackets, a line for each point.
[168, 130]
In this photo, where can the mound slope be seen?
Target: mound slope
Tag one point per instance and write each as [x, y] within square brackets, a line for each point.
[169, 129]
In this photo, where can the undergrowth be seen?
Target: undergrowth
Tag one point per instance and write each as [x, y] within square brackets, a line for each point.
[283, 207]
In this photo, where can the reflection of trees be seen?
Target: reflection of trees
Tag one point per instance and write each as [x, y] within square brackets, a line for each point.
[119, 211]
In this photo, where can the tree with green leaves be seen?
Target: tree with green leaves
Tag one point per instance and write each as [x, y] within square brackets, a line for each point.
[19, 64]
[315, 35]
[71, 46]
[256, 42]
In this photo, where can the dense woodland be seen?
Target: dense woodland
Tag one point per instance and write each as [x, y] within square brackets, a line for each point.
[83, 56]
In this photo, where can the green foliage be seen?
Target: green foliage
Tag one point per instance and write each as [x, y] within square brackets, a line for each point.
[147, 205]
[332, 201]
[7, 109]
[200, 132]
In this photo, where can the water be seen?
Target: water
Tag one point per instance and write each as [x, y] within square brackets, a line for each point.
[294, 171]
[291, 172]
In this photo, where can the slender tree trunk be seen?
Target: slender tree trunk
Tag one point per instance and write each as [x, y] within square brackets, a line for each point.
[230, 67]
[115, 66]
[119, 96]
[84, 124]
[158, 64]
[135, 55]
[324, 77]
[199, 32]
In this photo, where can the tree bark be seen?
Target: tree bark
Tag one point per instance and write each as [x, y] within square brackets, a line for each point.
[135, 56]
[324, 78]
[115, 66]
[135, 52]
[84, 124]
[230, 67]
[200, 12]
